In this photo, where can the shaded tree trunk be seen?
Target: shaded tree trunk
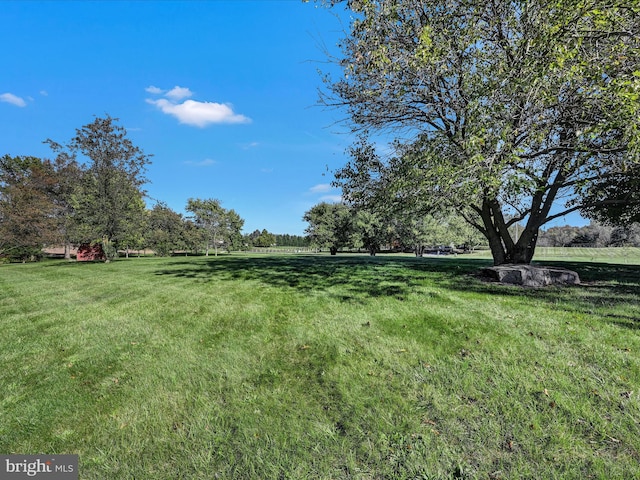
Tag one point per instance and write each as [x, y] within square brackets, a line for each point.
[504, 249]
[333, 250]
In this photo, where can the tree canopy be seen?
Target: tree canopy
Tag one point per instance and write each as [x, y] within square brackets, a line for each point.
[27, 206]
[501, 110]
[330, 226]
[109, 200]
[221, 227]
[92, 193]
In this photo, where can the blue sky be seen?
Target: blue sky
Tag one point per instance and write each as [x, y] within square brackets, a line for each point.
[222, 93]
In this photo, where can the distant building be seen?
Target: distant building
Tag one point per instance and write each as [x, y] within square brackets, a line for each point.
[89, 252]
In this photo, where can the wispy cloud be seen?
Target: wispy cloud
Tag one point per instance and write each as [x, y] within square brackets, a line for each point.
[321, 188]
[13, 100]
[178, 93]
[207, 162]
[331, 198]
[192, 112]
[330, 194]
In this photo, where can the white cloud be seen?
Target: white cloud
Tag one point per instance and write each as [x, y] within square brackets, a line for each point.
[321, 188]
[207, 162]
[331, 198]
[191, 112]
[199, 114]
[154, 90]
[13, 100]
[178, 93]
[44, 93]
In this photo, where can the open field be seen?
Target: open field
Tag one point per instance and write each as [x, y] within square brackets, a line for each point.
[614, 255]
[624, 255]
[305, 367]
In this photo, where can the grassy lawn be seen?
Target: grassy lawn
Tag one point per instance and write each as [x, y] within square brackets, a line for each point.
[305, 367]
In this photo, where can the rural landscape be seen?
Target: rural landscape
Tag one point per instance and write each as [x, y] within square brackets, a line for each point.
[314, 366]
[437, 319]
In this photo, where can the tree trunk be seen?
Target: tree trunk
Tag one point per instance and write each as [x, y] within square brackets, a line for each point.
[496, 246]
[67, 251]
[106, 249]
[522, 252]
[333, 250]
[503, 248]
[419, 250]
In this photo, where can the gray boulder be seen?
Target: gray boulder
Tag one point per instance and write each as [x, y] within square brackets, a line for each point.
[531, 276]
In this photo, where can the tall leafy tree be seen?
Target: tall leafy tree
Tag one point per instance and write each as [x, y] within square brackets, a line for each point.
[371, 230]
[210, 217]
[68, 180]
[109, 200]
[233, 233]
[165, 232]
[220, 227]
[27, 207]
[193, 235]
[330, 226]
[262, 238]
[501, 110]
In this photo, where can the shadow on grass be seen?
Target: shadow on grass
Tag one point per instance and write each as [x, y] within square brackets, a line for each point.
[609, 290]
[349, 277]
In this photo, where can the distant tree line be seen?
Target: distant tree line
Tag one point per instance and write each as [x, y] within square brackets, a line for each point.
[593, 235]
[338, 226]
[286, 240]
[263, 239]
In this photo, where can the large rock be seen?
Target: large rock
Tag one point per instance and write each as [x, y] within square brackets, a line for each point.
[531, 276]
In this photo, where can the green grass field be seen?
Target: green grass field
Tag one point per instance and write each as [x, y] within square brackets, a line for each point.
[309, 367]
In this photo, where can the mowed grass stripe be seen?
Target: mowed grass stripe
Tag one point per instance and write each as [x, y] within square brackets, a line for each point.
[317, 367]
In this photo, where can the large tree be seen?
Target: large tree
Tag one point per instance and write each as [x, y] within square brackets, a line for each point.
[330, 225]
[109, 199]
[233, 234]
[165, 230]
[220, 227]
[262, 238]
[503, 110]
[35, 204]
[371, 230]
[27, 207]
